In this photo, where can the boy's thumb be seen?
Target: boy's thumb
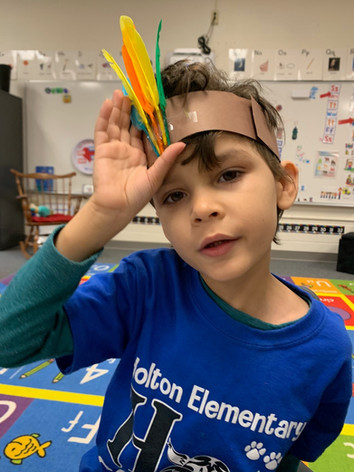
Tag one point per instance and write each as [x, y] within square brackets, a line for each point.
[162, 164]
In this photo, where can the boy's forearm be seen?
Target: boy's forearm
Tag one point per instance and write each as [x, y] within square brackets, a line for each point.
[33, 323]
[89, 231]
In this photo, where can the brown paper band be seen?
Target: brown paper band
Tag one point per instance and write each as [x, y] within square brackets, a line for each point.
[219, 111]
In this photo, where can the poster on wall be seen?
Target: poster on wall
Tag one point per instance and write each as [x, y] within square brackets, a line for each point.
[83, 156]
[240, 63]
[287, 64]
[35, 65]
[334, 64]
[350, 65]
[326, 164]
[310, 64]
[262, 64]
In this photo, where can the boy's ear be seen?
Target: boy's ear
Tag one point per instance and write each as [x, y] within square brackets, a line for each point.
[287, 186]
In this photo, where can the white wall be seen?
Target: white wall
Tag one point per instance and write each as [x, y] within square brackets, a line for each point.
[91, 25]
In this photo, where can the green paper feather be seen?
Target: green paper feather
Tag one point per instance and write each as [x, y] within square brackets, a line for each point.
[159, 83]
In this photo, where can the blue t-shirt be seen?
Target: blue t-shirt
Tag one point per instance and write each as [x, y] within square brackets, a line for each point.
[196, 388]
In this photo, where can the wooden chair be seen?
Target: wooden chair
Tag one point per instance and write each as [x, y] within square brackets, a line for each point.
[46, 200]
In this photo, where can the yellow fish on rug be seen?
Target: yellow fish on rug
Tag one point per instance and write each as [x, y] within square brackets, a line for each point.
[25, 446]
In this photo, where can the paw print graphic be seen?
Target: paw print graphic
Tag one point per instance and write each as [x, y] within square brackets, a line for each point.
[272, 461]
[255, 450]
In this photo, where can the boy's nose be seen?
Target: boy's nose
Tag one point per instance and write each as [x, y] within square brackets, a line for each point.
[205, 207]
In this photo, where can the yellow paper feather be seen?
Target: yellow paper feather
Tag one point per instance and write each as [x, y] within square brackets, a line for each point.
[138, 54]
[131, 94]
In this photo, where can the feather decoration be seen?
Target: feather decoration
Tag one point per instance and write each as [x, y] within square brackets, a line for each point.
[137, 122]
[134, 81]
[131, 94]
[142, 66]
[146, 95]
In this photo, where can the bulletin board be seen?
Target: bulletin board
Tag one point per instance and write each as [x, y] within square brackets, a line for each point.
[318, 136]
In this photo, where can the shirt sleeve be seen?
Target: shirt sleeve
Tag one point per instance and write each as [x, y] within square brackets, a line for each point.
[33, 322]
[105, 314]
[327, 423]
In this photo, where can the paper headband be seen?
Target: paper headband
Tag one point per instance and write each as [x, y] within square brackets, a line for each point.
[220, 111]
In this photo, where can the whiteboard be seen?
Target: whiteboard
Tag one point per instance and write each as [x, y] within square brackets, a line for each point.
[59, 117]
[318, 137]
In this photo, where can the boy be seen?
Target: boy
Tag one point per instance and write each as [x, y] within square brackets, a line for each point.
[224, 367]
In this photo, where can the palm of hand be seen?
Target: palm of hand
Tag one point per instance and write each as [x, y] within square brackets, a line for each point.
[122, 180]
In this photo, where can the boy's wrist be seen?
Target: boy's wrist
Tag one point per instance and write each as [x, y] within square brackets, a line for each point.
[89, 231]
[108, 216]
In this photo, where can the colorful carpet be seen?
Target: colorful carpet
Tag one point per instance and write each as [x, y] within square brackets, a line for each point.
[48, 420]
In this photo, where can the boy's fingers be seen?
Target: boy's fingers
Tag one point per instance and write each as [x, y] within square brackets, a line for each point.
[114, 122]
[102, 122]
[119, 120]
[135, 138]
[124, 120]
[163, 164]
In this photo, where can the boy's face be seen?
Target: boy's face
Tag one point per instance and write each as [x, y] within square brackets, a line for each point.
[222, 221]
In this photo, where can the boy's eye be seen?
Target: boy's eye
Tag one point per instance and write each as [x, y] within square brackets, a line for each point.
[174, 197]
[229, 175]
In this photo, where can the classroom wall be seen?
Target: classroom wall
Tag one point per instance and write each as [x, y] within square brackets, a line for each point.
[91, 25]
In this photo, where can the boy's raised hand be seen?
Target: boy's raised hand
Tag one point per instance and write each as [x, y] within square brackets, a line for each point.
[122, 180]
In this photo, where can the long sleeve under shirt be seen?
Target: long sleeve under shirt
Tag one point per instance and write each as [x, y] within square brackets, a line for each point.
[43, 326]
[33, 321]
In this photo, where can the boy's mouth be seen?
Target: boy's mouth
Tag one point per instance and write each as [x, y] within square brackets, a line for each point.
[215, 242]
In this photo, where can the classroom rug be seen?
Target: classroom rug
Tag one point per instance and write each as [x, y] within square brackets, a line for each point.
[48, 420]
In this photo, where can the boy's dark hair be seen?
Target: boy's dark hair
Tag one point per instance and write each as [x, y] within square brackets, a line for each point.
[184, 77]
